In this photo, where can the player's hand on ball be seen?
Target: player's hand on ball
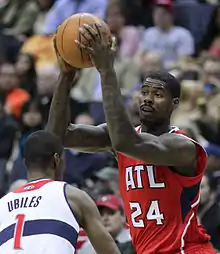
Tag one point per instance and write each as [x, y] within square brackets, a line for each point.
[65, 68]
[100, 49]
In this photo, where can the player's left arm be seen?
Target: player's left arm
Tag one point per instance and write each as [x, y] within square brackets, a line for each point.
[168, 149]
[89, 218]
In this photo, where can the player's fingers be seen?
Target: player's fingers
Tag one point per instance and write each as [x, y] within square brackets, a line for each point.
[92, 32]
[82, 46]
[84, 34]
[98, 26]
[102, 34]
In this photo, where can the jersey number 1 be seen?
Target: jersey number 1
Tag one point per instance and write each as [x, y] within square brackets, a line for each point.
[18, 231]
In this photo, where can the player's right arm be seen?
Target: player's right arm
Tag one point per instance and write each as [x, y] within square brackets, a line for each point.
[87, 138]
[88, 217]
[84, 138]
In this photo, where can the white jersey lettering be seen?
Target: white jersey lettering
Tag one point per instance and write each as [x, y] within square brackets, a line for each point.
[37, 219]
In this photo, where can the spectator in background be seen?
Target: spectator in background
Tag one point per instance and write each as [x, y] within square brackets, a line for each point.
[107, 181]
[128, 37]
[150, 62]
[171, 42]
[62, 9]
[81, 166]
[8, 130]
[40, 45]
[111, 210]
[88, 87]
[31, 120]
[210, 42]
[44, 6]
[211, 76]
[209, 209]
[13, 97]
[17, 18]
[17, 184]
[25, 69]
[139, 12]
[84, 118]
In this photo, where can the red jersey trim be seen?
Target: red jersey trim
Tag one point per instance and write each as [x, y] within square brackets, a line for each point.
[32, 186]
[201, 158]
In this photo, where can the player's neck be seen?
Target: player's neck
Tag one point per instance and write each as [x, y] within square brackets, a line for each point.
[155, 128]
[38, 174]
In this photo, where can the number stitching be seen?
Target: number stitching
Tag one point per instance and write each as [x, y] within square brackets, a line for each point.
[136, 181]
[153, 213]
[19, 226]
[137, 212]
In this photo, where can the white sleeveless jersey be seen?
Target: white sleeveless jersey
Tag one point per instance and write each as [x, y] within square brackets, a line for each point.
[36, 219]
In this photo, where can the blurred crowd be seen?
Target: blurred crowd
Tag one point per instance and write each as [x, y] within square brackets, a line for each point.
[180, 36]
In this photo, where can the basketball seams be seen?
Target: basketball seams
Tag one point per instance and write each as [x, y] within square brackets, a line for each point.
[79, 38]
[67, 34]
[62, 38]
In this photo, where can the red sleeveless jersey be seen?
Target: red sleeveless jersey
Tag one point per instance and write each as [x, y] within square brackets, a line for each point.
[161, 205]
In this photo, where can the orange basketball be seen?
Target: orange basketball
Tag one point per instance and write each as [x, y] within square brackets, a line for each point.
[68, 32]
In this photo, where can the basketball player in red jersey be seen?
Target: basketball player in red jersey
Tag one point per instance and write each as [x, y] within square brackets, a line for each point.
[160, 168]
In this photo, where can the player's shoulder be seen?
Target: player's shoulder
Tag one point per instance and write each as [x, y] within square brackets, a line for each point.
[177, 133]
[190, 141]
[79, 201]
[77, 197]
[73, 193]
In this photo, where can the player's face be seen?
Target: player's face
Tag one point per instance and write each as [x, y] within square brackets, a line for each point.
[155, 103]
[113, 220]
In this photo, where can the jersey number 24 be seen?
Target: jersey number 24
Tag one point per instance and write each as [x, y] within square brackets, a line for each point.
[153, 210]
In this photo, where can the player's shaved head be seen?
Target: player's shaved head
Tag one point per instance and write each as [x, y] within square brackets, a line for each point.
[40, 148]
[165, 79]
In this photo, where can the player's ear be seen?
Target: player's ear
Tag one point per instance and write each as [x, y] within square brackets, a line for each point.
[176, 102]
[56, 160]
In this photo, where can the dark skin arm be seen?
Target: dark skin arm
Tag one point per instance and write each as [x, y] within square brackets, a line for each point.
[88, 138]
[84, 138]
[59, 114]
[89, 218]
[168, 149]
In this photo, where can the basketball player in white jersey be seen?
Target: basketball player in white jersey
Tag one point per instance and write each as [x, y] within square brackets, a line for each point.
[44, 216]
